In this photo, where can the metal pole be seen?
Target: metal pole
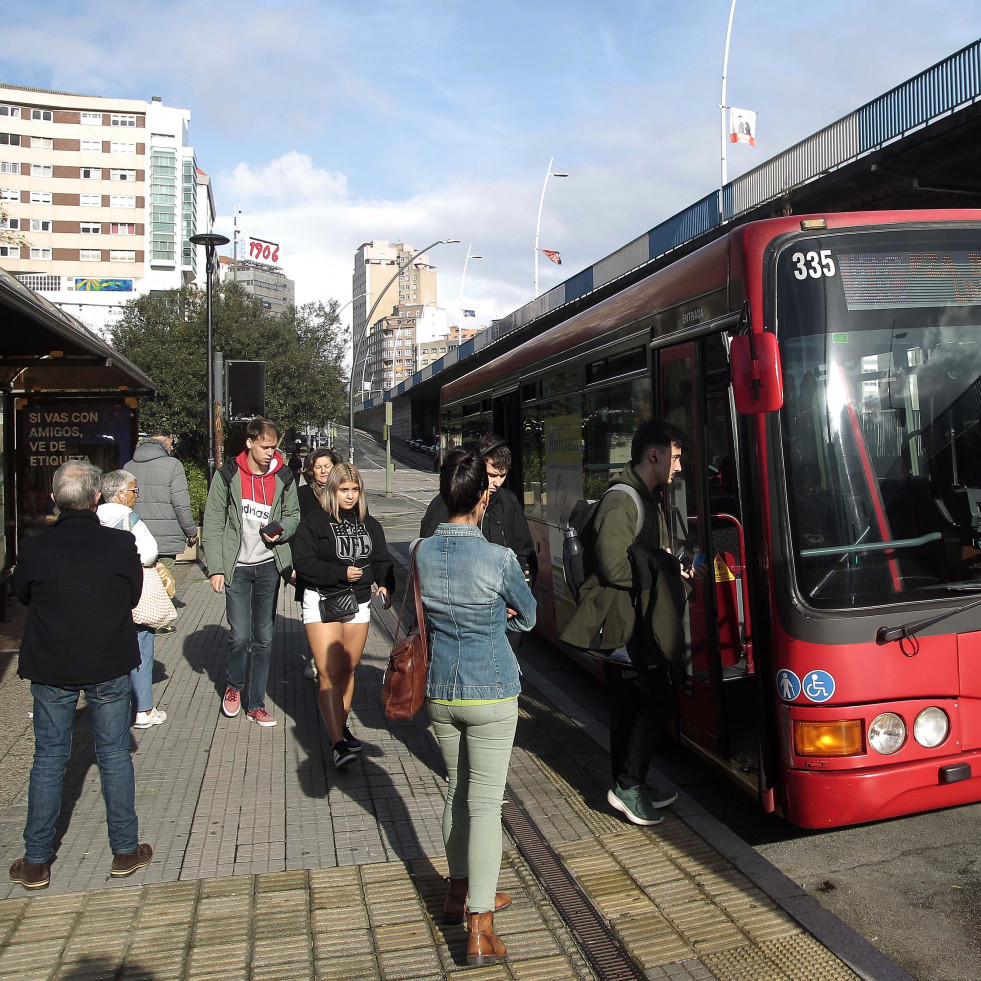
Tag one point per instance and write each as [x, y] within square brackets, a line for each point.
[210, 251]
[463, 279]
[538, 225]
[367, 325]
[210, 241]
[723, 107]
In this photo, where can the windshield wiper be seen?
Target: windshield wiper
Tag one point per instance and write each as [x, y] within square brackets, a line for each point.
[859, 547]
[908, 631]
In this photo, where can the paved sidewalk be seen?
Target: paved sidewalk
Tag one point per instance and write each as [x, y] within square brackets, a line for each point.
[269, 864]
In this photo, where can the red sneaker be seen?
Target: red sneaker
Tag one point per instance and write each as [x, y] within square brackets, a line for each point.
[261, 717]
[231, 704]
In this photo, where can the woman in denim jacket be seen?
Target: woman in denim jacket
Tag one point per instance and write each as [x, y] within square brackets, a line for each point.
[472, 593]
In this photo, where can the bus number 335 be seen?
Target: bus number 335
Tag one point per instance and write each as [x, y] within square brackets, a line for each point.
[813, 264]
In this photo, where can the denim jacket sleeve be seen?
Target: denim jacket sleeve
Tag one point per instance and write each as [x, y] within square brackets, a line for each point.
[518, 595]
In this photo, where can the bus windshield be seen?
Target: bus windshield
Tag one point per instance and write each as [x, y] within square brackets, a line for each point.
[880, 337]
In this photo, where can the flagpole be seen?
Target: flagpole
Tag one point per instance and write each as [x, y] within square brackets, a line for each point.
[541, 202]
[723, 107]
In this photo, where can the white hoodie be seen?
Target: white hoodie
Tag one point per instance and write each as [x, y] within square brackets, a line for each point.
[115, 515]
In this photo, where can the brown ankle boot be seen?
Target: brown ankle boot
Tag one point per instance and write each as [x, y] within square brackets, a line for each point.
[456, 902]
[455, 908]
[484, 946]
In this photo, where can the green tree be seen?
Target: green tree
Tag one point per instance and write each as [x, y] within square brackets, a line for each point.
[165, 335]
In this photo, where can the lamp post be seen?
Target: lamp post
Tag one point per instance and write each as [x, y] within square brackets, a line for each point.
[538, 226]
[235, 213]
[367, 324]
[723, 107]
[463, 279]
[210, 241]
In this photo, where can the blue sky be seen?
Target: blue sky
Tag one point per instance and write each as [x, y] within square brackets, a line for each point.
[331, 123]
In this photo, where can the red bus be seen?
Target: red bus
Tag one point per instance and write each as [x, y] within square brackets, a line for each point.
[827, 370]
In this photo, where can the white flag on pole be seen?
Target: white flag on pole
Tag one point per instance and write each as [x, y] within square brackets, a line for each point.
[742, 126]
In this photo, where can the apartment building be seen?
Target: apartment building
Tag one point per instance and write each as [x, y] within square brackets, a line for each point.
[391, 354]
[106, 191]
[274, 290]
[375, 263]
[428, 351]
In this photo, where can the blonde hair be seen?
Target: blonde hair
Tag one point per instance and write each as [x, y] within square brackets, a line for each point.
[342, 473]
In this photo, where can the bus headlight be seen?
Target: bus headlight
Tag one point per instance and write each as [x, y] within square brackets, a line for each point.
[887, 733]
[842, 738]
[931, 727]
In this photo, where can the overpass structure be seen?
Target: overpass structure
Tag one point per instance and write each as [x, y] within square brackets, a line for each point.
[916, 146]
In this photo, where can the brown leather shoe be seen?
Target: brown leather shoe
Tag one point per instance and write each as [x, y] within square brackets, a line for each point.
[455, 908]
[127, 864]
[31, 875]
[483, 946]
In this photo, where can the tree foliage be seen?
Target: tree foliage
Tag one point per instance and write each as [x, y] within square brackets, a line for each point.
[7, 235]
[165, 335]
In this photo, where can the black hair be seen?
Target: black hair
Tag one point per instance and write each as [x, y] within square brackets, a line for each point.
[496, 450]
[462, 481]
[655, 432]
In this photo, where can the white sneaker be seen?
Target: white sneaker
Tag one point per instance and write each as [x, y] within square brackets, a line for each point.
[310, 671]
[152, 718]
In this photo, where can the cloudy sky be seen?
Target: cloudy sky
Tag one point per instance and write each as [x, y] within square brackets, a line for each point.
[331, 123]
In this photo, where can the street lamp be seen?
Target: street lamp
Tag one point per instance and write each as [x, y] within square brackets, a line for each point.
[723, 107]
[367, 324]
[463, 279]
[538, 227]
[210, 241]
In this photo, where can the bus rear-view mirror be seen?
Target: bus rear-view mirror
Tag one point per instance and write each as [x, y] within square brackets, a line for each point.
[757, 376]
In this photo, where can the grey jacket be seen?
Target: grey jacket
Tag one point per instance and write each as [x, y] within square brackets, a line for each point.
[164, 502]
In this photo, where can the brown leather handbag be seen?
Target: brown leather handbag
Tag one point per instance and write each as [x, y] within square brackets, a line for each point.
[404, 690]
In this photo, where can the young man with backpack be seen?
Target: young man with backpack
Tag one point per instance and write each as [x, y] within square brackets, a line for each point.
[644, 698]
[252, 511]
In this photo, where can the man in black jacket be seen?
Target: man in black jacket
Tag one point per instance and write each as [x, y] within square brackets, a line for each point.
[504, 521]
[80, 582]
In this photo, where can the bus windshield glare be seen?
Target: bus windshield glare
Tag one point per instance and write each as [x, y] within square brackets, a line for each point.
[880, 337]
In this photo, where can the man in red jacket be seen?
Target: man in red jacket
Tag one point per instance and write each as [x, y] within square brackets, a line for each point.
[251, 513]
[80, 582]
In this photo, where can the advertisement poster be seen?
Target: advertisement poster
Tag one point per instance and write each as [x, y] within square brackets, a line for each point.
[563, 483]
[49, 433]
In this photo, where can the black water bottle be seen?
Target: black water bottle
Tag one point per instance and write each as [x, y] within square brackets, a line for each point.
[572, 560]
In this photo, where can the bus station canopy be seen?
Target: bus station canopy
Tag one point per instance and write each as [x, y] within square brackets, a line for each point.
[44, 349]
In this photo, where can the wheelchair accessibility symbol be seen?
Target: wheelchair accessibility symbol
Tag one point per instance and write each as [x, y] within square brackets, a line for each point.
[788, 685]
[819, 686]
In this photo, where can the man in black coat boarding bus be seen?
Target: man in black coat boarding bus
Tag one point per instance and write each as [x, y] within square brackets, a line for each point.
[80, 582]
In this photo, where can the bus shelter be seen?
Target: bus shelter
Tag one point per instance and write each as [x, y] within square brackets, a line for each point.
[64, 394]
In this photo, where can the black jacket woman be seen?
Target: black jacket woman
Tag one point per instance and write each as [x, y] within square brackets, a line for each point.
[316, 468]
[340, 545]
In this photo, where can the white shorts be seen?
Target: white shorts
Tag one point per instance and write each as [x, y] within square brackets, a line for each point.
[311, 609]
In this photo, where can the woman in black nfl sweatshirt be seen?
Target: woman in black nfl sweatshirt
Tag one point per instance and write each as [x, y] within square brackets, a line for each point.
[340, 545]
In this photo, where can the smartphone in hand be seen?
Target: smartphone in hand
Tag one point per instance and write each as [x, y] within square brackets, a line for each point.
[273, 529]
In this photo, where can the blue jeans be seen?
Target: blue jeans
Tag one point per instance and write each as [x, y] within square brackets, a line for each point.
[476, 742]
[110, 703]
[141, 678]
[250, 608]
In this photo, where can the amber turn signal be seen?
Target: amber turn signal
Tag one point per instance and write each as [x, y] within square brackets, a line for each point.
[828, 738]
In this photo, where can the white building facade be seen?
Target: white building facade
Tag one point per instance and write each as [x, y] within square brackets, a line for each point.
[107, 193]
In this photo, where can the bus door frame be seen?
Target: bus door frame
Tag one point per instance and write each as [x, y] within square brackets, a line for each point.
[695, 464]
[506, 423]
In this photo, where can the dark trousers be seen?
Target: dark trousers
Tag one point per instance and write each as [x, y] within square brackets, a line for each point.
[642, 706]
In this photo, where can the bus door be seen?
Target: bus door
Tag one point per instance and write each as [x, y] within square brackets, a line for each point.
[719, 695]
[507, 424]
